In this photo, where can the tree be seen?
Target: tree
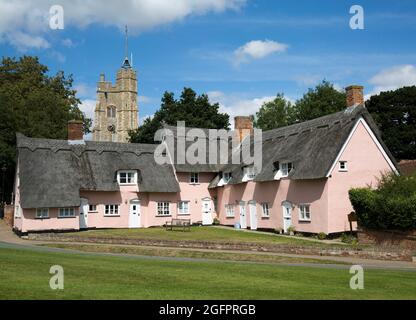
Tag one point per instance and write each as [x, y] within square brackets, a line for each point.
[274, 114]
[395, 114]
[318, 102]
[35, 104]
[195, 110]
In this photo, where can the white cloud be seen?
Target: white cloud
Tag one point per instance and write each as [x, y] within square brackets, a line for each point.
[23, 41]
[144, 99]
[393, 78]
[258, 49]
[68, 43]
[235, 106]
[31, 17]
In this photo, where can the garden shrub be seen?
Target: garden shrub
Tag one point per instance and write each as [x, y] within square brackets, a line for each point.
[392, 206]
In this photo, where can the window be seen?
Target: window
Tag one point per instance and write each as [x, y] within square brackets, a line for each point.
[229, 210]
[286, 168]
[343, 166]
[111, 112]
[227, 177]
[249, 173]
[163, 209]
[111, 210]
[183, 207]
[305, 212]
[194, 178]
[42, 213]
[92, 208]
[17, 212]
[66, 212]
[127, 177]
[266, 210]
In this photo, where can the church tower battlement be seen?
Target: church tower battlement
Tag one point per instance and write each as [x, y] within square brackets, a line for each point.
[116, 112]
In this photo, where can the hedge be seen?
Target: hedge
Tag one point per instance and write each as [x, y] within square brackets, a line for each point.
[392, 206]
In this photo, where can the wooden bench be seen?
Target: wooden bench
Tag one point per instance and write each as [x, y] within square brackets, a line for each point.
[184, 224]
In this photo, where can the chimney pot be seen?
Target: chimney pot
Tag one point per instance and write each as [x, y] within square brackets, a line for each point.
[75, 131]
[355, 95]
[243, 126]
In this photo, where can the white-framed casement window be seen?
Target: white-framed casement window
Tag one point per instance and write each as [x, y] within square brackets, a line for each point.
[183, 207]
[283, 170]
[17, 212]
[92, 208]
[194, 179]
[343, 166]
[249, 173]
[163, 209]
[112, 210]
[229, 210]
[227, 177]
[265, 210]
[66, 213]
[127, 177]
[42, 213]
[305, 212]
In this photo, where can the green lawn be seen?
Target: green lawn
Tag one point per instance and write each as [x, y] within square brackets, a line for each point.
[25, 275]
[213, 234]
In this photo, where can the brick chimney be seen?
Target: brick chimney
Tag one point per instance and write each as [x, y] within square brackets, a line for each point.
[75, 131]
[355, 95]
[243, 127]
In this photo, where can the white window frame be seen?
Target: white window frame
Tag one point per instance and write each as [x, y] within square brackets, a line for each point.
[42, 213]
[181, 210]
[163, 209]
[194, 178]
[131, 177]
[92, 208]
[343, 166]
[303, 212]
[265, 210]
[227, 177]
[112, 210]
[229, 211]
[285, 168]
[249, 173]
[66, 213]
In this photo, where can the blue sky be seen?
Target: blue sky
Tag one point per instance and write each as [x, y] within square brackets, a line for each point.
[240, 52]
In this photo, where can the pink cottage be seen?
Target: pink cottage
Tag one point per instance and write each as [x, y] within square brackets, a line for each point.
[307, 170]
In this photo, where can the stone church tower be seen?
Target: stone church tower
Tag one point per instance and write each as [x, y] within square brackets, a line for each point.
[116, 112]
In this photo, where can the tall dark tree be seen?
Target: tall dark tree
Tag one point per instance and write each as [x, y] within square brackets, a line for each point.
[195, 110]
[35, 104]
[274, 114]
[322, 100]
[395, 114]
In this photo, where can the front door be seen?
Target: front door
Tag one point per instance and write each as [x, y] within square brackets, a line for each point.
[253, 215]
[83, 214]
[207, 212]
[134, 214]
[243, 218]
[287, 216]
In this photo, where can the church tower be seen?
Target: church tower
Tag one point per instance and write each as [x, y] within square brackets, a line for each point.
[116, 112]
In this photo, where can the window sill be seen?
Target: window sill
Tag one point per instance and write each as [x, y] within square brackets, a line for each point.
[67, 217]
[305, 221]
[111, 216]
[42, 218]
[194, 184]
[163, 216]
[184, 214]
[265, 218]
[230, 217]
[92, 211]
[340, 170]
[127, 184]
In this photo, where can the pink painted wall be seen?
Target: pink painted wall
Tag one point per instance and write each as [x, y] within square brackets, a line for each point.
[17, 221]
[275, 193]
[365, 164]
[30, 223]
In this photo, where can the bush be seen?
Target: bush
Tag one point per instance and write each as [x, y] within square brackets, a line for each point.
[322, 236]
[392, 206]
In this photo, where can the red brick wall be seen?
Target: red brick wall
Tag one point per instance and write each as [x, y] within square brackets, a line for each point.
[388, 238]
[9, 215]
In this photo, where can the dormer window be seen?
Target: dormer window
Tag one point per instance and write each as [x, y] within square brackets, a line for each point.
[249, 173]
[225, 178]
[284, 168]
[194, 178]
[127, 177]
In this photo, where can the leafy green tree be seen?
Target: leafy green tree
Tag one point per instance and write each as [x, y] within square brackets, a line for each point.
[395, 114]
[195, 110]
[35, 104]
[322, 100]
[274, 114]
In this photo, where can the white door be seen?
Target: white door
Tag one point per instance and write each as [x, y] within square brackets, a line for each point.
[83, 214]
[207, 212]
[134, 214]
[287, 216]
[253, 215]
[243, 218]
